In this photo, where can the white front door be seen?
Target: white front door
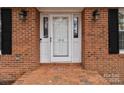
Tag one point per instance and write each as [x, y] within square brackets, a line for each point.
[60, 38]
[58, 44]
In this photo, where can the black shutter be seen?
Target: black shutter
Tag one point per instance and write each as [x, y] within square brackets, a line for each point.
[113, 31]
[6, 19]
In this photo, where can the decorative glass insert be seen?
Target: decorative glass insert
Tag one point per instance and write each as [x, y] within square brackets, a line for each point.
[45, 27]
[75, 27]
[121, 30]
[60, 37]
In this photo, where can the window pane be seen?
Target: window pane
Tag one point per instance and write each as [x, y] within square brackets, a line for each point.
[75, 27]
[45, 27]
[121, 40]
[121, 21]
[0, 31]
[121, 30]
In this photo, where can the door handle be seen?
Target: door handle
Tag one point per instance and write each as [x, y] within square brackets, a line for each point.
[40, 39]
[50, 39]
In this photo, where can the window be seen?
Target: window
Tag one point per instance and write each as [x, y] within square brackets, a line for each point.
[45, 27]
[0, 31]
[121, 30]
[75, 27]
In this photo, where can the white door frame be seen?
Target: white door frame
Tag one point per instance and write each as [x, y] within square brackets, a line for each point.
[71, 58]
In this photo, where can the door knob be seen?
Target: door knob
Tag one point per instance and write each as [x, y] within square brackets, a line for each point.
[40, 39]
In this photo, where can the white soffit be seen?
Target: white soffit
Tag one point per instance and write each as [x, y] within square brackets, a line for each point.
[61, 9]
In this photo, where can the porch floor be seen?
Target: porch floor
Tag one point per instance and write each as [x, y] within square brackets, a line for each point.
[62, 74]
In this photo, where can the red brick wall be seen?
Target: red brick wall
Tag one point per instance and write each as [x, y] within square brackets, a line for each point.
[95, 47]
[25, 45]
[95, 56]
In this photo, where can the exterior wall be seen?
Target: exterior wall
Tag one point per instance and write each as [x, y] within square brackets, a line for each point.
[26, 52]
[95, 47]
[25, 46]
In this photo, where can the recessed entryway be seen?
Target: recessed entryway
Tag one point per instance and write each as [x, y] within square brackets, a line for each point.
[60, 38]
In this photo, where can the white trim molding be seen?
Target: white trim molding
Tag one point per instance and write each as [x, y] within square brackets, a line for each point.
[60, 9]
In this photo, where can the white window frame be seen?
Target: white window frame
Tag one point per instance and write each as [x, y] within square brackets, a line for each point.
[121, 51]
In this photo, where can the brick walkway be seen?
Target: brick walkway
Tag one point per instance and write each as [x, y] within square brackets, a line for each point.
[61, 74]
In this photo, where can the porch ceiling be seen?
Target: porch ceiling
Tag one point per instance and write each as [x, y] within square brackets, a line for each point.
[61, 9]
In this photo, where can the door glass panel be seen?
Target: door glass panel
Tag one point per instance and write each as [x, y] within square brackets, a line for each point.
[75, 27]
[45, 27]
[60, 37]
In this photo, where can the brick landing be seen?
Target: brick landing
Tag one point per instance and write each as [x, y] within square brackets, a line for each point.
[62, 74]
